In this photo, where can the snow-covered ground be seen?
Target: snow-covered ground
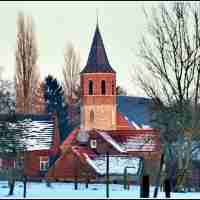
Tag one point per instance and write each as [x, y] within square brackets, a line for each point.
[95, 191]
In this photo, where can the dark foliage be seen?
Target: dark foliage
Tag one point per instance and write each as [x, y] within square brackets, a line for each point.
[55, 103]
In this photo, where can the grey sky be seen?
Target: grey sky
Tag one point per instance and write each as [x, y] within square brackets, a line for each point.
[121, 25]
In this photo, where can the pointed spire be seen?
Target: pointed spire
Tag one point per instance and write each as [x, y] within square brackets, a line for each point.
[97, 59]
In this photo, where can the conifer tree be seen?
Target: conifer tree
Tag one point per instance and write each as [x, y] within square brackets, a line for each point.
[55, 103]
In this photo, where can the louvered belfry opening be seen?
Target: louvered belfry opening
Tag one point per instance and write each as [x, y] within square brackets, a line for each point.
[103, 87]
[90, 87]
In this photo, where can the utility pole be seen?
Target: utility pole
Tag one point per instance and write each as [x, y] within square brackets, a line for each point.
[107, 174]
[76, 174]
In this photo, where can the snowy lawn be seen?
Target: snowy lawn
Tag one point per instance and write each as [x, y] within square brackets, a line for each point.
[66, 190]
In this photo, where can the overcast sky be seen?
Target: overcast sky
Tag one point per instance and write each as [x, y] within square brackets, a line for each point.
[56, 23]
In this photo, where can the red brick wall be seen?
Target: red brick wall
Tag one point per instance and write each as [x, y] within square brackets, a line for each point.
[99, 99]
[97, 78]
[32, 159]
[67, 166]
[105, 105]
[32, 162]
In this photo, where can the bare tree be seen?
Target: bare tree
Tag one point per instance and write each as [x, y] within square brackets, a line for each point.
[71, 72]
[72, 89]
[7, 93]
[27, 74]
[38, 104]
[171, 60]
[8, 139]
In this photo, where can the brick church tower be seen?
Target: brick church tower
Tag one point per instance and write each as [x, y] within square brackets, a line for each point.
[98, 83]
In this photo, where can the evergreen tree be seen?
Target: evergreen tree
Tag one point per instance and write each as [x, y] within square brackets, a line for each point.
[55, 103]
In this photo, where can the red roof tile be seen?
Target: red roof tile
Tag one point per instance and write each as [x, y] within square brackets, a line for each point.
[71, 137]
[79, 150]
[133, 140]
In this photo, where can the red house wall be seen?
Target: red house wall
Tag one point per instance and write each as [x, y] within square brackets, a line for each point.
[32, 163]
[32, 158]
[67, 166]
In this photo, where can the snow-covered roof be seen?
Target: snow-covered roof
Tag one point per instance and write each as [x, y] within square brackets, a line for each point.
[134, 142]
[139, 143]
[117, 164]
[35, 132]
[135, 125]
[110, 140]
[39, 134]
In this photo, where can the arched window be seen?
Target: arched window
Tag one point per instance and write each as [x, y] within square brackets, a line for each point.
[90, 87]
[103, 87]
[91, 116]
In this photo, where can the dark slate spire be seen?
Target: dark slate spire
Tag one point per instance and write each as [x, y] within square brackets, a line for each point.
[97, 60]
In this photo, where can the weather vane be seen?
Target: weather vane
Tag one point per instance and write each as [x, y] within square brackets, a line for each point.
[97, 13]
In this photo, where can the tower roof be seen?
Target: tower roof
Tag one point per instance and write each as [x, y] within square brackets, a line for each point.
[97, 60]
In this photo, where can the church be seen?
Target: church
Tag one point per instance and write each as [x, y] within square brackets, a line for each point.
[118, 125]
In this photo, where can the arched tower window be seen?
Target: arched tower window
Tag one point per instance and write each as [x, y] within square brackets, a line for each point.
[90, 87]
[103, 87]
[91, 116]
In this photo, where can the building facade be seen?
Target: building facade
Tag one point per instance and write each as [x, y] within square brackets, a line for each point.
[106, 128]
[98, 83]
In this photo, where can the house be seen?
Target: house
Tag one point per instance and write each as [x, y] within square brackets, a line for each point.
[40, 143]
[115, 124]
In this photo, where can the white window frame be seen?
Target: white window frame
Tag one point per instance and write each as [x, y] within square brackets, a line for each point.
[44, 164]
[14, 164]
[93, 143]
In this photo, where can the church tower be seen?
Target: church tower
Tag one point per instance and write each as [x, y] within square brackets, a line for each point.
[98, 83]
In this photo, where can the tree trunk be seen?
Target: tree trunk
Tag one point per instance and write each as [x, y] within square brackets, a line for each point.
[107, 174]
[87, 182]
[184, 169]
[24, 182]
[158, 176]
[11, 186]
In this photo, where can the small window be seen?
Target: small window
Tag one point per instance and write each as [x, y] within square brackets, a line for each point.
[103, 87]
[44, 163]
[91, 116]
[90, 87]
[93, 144]
[112, 88]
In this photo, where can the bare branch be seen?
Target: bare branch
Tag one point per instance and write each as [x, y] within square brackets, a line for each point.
[27, 74]
[71, 72]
